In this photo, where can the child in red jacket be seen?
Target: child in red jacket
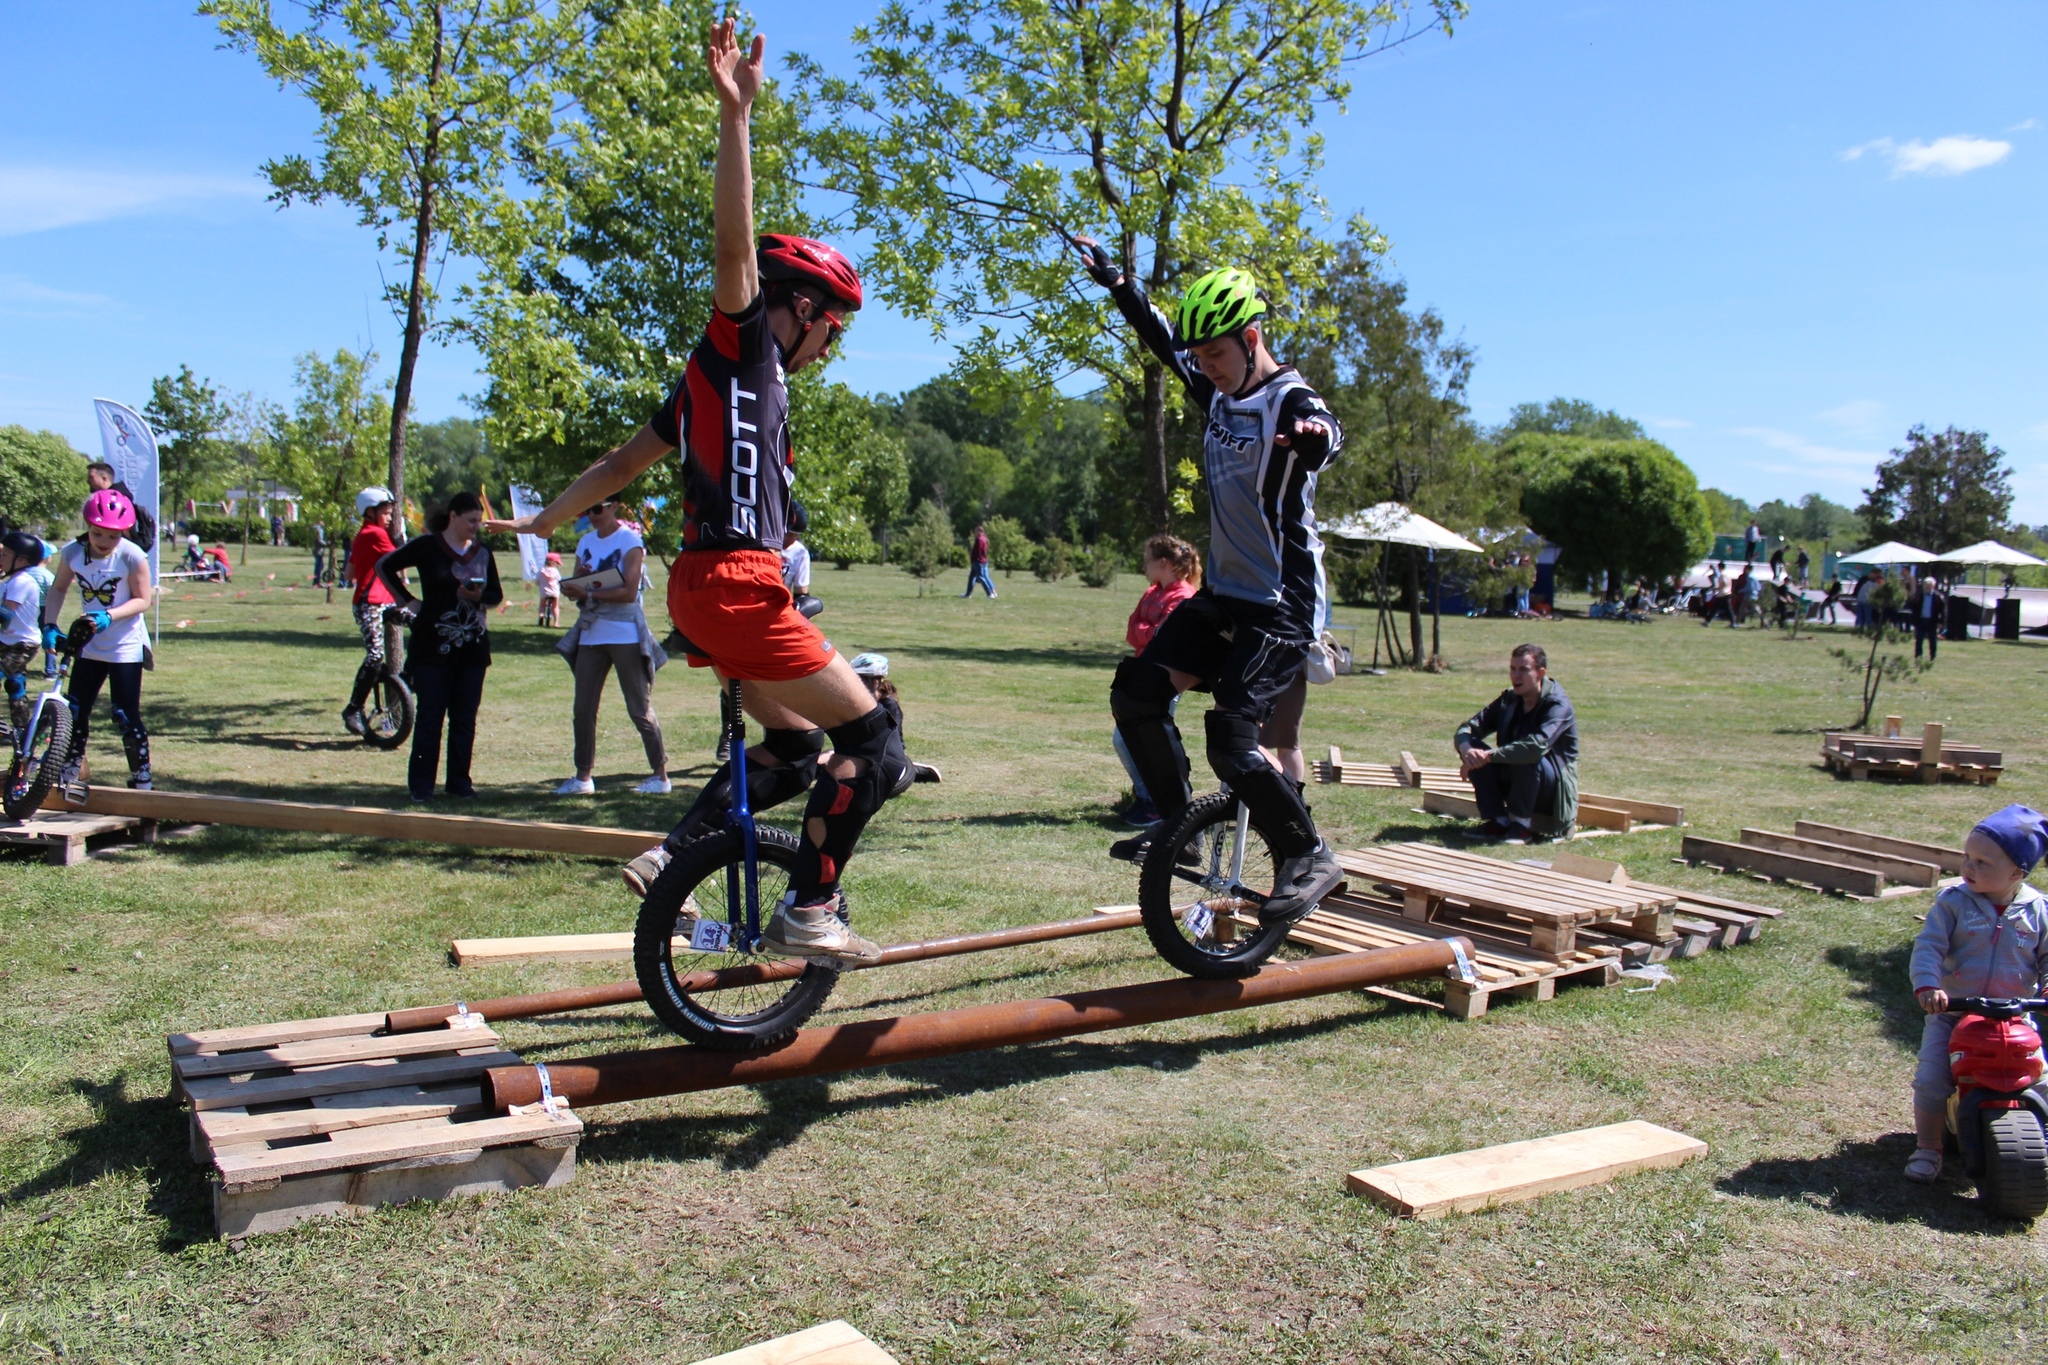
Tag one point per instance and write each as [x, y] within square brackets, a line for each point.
[1174, 569]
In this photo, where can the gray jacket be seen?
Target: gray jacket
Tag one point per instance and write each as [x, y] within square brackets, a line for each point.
[1968, 948]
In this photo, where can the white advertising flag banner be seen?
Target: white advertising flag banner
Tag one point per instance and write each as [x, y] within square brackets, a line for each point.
[130, 447]
[533, 550]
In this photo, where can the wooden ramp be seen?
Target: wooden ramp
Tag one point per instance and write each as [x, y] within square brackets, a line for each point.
[370, 822]
[829, 1343]
[1829, 858]
[65, 837]
[1467, 1181]
[1931, 758]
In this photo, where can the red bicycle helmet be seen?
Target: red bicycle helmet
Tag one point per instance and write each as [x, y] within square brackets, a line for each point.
[109, 511]
[780, 257]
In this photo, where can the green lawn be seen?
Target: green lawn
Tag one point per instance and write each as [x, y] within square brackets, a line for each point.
[1166, 1194]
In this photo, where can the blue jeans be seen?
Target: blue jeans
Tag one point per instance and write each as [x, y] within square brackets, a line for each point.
[979, 574]
[441, 693]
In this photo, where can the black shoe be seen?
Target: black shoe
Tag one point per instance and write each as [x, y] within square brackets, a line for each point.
[1139, 846]
[1301, 883]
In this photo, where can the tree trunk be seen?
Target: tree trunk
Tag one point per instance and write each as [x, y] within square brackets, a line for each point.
[415, 294]
[1158, 474]
[1414, 607]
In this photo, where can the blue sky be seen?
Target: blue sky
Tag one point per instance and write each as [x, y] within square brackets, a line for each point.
[1777, 235]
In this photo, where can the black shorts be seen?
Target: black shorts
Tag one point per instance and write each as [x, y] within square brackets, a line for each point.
[1243, 652]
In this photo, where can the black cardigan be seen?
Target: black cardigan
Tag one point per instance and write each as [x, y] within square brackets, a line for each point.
[448, 630]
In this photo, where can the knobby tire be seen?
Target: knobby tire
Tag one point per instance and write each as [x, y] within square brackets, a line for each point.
[1166, 882]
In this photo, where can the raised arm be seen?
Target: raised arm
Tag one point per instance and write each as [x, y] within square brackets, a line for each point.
[612, 471]
[736, 76]
[1154, 329]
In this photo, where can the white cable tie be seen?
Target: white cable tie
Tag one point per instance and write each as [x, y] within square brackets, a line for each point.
[1464, 965]
[548, 1102]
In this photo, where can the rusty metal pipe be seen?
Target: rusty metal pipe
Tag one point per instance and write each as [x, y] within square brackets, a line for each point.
[642, 1075]
[753, 973]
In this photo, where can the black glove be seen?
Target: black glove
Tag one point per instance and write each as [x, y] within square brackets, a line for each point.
[1100, 267]
[1312, 444]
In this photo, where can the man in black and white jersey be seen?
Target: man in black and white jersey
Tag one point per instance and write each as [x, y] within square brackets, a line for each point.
[1246, 635]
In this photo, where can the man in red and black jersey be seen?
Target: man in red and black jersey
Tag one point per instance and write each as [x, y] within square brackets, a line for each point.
[780, 303]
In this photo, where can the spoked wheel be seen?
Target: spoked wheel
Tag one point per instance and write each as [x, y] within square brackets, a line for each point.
[1201, 888]
[733, 1001]
[31, 774]
[387, 713]
[2015, 1181]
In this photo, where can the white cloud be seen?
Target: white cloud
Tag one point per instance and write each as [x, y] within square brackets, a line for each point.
[40, 198]
[1862, 418]
[1955, 155]
[2025, 126]
[16, 289]
[1811, 451]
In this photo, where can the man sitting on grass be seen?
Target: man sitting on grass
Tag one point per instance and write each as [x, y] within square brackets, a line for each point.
[1527, 785]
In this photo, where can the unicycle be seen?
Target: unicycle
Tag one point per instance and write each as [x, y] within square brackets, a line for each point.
[696, 944]
[387, 711]
[1200, 889]
[41, 744]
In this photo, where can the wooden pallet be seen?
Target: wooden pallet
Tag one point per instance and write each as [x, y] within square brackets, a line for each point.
[1350, 921]
[323, 1117]
[1699, 920]
[65, 837]
[1949, 860]
[1446, 792]
[1795, 869]
[1929, 759]
[1543, 909]
[1405, 772]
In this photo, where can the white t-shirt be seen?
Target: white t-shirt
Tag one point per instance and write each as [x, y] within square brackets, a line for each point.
[796, 566]
[23, 598]
[102, 586]
[594, 553]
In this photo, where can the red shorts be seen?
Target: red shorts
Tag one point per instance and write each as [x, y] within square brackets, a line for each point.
[735, 613]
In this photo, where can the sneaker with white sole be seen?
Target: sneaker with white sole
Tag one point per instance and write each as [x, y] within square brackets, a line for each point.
[825, 939]
[1300, 882]
[577, 786]
[642, 871]
[654, 786]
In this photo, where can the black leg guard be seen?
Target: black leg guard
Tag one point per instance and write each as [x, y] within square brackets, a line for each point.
[1274, 801]
[134, 743]
[768, 785]
[839, 810]
[1139, 699]
[366, 678]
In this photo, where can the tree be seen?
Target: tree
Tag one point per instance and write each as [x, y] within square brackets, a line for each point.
[248, 444]
[1940, 492]
[422, 104]
[42, 479]
[1727, 514]
[851, 470]
[450, 455]
[1626, 508]
[187, 415]
[1009, 549]
[1573, 417]
[981, 133]
[927, 544]
[329, 445]
[1812, 518]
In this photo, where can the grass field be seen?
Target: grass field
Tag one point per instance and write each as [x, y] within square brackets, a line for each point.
[1167, 1194]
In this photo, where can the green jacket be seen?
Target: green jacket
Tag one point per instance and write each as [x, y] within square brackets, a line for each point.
[1550, 729]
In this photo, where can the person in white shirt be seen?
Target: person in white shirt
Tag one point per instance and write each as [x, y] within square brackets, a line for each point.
[21, 617]
[796, 561]
[112, 574]
[611, 633]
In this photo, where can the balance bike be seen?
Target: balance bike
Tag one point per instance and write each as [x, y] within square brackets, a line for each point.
[1999, 1113]
[42, 743]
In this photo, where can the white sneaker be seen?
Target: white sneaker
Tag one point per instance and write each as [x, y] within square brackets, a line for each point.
[655, 786]
[577, 786]
[826, 939]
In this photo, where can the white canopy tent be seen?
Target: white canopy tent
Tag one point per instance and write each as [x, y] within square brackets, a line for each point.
[1890, 553]
[1989, 553]
[1393, 524]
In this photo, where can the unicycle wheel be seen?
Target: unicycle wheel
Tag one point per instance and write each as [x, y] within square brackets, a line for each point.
[732, 1001]
[1200, 891]
[387, 713]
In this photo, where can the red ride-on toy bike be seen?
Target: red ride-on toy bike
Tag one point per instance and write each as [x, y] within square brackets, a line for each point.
[1999, 1113]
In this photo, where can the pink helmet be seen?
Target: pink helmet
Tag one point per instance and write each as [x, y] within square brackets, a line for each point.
[109, 511]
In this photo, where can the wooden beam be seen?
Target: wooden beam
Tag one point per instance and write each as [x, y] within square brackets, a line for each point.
[1650, 812]
[371, 822]
[1466, 1181]
[1857, 881]
[1443, 803]
[829, 1343]
[1591, 869]
[1930, 752]
[1336, 765]
[478, 952]
[1410, 770]
[1947, 859]
[1903, 871]
[1597, 816]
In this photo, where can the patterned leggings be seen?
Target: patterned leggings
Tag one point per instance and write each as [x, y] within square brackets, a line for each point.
[370, 621]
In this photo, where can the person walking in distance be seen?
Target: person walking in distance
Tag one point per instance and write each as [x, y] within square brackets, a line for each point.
[611, 634]
[779, 303]
[1246, 634]
[376, 507]
[977, 563]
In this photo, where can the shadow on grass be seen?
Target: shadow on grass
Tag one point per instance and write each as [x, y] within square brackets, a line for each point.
[789, 1108]
[1881, 977]
[147, 1136]
[1862, 1180]
[1104, 657]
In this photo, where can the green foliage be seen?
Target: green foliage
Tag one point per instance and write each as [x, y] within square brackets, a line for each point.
[1009, 549]
[1727, 514]
[1001, 445]
[330, 444]
[979, 132]
[422, 108]
[1495, 573]
[1811, 520]
[927, 544]
[1100, 566]
[587, 314]
[1627, 508]
[442, 458]
[1939, 492]
[852, 474]
[1572, 417]
[1873, 669]
[42, 479]
[187, 414]
[1053, 560]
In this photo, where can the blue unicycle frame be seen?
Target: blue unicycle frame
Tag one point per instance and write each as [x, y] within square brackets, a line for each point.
[745, 914]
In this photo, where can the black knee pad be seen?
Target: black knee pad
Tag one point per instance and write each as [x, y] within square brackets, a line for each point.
[843, 806]
[768, 785]
[1273, 798]
[1234, 746]
[877, 739]
[1141, 691]
[794, 747]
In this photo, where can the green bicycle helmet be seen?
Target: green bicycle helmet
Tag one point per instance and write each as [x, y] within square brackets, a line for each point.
[1218, 304]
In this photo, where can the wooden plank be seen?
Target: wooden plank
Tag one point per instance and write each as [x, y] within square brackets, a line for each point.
[1907, 871]
[1410, 770]
[370, 822]
[1650, 812]
[334, 1113]
[829, 1343]
[1443, 803]
[1336, 765]
[1604, 817]
[1623, 900]
[1698, 898]
[1857, 881]
[472, 952]
[328, 1051]
[1947, 859]
[1590, 869]
[1513, 1171]
[223, 1092]
[270, 1035]
[390, 1142]
[272, 1206]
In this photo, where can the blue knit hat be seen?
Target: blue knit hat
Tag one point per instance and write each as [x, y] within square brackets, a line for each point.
[2021, 831]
